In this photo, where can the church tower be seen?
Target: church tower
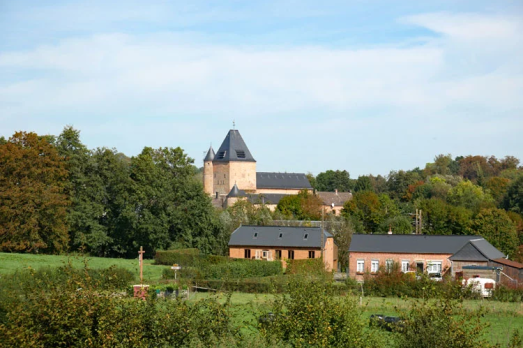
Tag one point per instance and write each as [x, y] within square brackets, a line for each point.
[233, 164]
[208, 172]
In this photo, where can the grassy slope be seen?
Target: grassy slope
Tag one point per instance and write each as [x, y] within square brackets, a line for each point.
[502, 317]
[10, 263]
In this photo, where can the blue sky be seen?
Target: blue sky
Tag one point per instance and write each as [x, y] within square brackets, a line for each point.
[365, 86]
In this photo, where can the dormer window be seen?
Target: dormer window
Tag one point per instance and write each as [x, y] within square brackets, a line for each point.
[281, 235]
[240, 153]
[221, 154]
[305, 236]
[255, 235]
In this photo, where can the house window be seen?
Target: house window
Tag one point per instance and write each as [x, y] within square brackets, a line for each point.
[306, 236]
[247, 253]
[374, 266]
[311, 254]
[278, 254]
[281, 235]
[266, 254]
[291, 255]
[434, 267]
[388, 265]
[404, 266]
[255, 235]
[360, 266]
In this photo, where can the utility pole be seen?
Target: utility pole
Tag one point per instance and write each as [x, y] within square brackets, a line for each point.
[322, 230]
[416, 221]
[420, 222]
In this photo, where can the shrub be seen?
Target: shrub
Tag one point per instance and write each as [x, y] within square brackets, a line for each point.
[306, 266]
[185, 257]
[508, 293]
[311, 316]
[231, 269]
[79, 313]
[441, 323]
[252, 285]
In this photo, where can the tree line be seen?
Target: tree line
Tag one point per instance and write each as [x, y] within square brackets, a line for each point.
[58, 195]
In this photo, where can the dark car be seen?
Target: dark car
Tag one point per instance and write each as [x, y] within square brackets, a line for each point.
[388, 323]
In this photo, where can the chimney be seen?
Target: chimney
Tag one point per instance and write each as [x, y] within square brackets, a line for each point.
[390, 230]
[336, 190]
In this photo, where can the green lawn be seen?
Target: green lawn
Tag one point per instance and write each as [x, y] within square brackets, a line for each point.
[502, 317]
[10, 263]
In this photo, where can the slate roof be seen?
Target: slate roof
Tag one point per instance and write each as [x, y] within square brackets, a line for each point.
[266, 198]
[477, 250]
[233, 148]
[236, 192]
[210, 155]
[268, 180]
[338, 198]
[408, 243]
[269, 236]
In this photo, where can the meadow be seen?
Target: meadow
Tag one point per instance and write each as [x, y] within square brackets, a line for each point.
[11, 262]
[501, 317]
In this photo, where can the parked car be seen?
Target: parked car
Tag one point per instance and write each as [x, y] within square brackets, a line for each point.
[388, 323]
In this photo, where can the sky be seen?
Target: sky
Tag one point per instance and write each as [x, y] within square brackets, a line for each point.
[363, 86]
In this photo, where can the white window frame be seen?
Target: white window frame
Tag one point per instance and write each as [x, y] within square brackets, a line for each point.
[405, 266]
[258, 255]
[434, 266]
[360, 266]
[374, 266]
[388, 265]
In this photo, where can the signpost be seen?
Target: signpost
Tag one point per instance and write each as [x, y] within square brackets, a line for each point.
[175, 267]
[140, 260]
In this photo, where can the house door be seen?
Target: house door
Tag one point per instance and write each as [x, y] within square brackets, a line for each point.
[419, 267]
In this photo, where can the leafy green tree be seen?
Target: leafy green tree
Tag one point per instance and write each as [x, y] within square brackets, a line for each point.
[363, 184]
[3, 141]
[459, 220]
[379, 184]
[366, 206]
[442, 165]
[342, 230]
[398, 224]
[290, 206]
[497, 187]
[312, 180]
[398, 183]
[496, 226]
[303, 206]
[514, 198]
[32, 191]
[332, 180]
[470, 196]
[85, 188]
[435, 216]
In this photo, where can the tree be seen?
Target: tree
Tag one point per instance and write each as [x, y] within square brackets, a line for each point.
[332, 180]
[496, 226]
[398, 183]
[398, 224]
[435, 216]
[342, 230]
[3, 141]
[363, 184]
[303, 206]
[497, 187]
[514, 198]
[470, 196]
[366, 206]
[312, 180]
[442, 165]
[85, 189]
[32, 191]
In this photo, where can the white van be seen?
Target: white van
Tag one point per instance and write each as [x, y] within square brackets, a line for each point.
[484, 286]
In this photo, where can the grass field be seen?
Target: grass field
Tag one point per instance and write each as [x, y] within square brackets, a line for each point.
[501, 318]
[10, 263]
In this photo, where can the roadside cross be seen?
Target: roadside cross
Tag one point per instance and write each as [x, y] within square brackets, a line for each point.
[140, 259]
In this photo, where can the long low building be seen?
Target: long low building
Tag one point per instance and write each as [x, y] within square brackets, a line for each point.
[419, 253]
[283, 243]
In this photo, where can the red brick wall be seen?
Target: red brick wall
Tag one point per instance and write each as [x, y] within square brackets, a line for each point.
[397, 258]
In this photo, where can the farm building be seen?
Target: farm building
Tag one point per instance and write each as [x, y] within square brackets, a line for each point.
[281, 243]
[419, 253]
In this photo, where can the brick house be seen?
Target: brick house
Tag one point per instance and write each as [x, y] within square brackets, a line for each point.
[333, 201]
[418, 253]
[280, 243]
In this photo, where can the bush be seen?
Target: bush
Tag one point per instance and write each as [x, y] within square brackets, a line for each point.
[306, 266]
[507, 293]
[215, 268]
[254, 285]
[441, 323]
[311, 316]
[185, 257]
[79, 313]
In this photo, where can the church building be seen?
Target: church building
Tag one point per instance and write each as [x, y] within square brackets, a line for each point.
[230, 174]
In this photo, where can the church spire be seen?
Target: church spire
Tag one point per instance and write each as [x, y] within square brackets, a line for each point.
[233, 148]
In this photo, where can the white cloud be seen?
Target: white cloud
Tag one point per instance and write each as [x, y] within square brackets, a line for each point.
[111, 78]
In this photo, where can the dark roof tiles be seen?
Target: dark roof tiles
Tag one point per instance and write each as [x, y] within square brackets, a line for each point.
[269, 236]
[233, 148]
[267, 180]
[210, 155]
[408, 243]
